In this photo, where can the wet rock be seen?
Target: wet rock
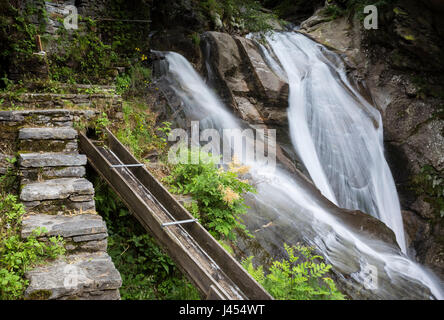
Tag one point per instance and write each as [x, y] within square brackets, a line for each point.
[272, 87]
[228, 61]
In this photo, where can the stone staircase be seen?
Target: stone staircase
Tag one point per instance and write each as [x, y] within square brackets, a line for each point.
[58, 198]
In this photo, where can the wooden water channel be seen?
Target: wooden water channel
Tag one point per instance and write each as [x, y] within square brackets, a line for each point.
[216, 274]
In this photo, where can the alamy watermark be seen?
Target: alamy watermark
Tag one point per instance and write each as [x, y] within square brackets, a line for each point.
[371, 20]
[71, 21]
[248, 145]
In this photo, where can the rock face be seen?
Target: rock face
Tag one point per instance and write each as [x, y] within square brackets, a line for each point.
[402, 64]
[245, 81]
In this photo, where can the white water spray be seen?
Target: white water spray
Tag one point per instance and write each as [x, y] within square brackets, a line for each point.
[336, 132]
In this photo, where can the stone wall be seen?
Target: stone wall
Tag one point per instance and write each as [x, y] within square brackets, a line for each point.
[58, 198]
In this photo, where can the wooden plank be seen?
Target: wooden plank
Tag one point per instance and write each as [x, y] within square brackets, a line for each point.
[147, 218]
[249, 286]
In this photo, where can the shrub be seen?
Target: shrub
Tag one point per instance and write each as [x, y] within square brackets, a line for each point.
[217, 192]
[139, 132]
[243, 15]
[290, 280]
[17, 255]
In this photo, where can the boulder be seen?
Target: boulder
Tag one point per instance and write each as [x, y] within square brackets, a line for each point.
[269, 84]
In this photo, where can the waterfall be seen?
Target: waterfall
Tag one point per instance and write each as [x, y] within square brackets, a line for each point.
[298, 211]
[336, 133]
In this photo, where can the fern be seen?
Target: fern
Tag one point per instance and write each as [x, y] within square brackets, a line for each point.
[290, 280]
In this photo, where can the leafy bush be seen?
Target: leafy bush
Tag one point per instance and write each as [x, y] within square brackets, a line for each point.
[217, 192]
[139, 132]
[243, 15]
[292, 280]
[147, 272]
[136, 80]
[82, 57]
[17, 255]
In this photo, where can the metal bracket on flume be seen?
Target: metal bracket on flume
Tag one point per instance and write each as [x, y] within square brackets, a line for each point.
[166, 224]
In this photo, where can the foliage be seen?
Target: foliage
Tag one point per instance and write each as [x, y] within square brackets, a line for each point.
[147, 272]
[139, 132]
[17, 255]
[18, 28]
[128, 27]
[217, 192]
[101, 123]
[241, 15]
[138, 78]
[337, 8]
[81, 56]
[430, 183]
[290, 279]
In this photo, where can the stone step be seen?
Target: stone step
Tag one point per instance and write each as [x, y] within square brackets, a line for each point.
[62, 100]
[47, 117]
[65, 133]
[89, 276]
[48, 139]
[58, 195]
[84, 232]
[48, 146]
[51, 159]
[39, 174]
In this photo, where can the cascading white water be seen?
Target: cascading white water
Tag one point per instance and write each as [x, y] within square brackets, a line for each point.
[296, 210]
[336, 132]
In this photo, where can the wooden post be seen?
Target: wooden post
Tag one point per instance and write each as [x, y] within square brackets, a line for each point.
[39, 43]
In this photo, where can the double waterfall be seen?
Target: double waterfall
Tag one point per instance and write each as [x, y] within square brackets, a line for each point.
[337, 135]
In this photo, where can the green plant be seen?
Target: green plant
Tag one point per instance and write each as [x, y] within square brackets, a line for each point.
[139, 132]
[243, 15]
[81, 56]
[333, 11]
[290, 279]
[17, 255]
[147, 272]
[101, 123]
[123, 82]
[136, 80]
[217, 192]
[195, 38]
